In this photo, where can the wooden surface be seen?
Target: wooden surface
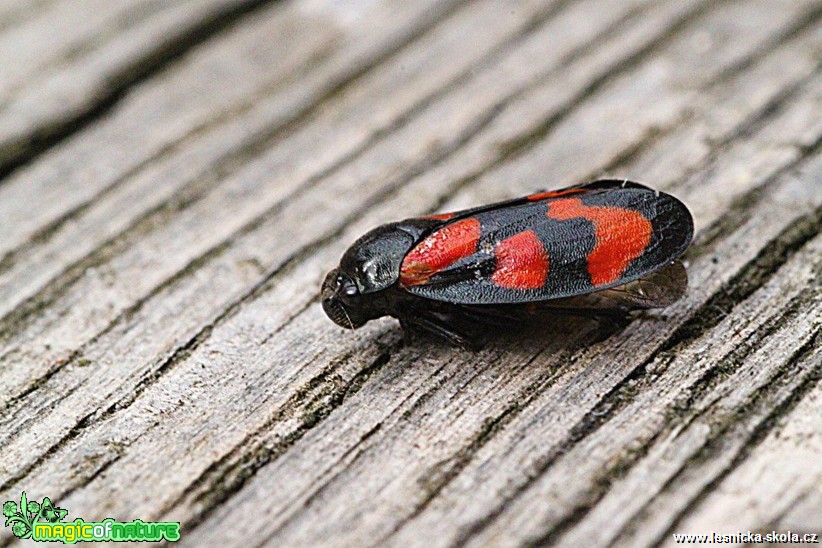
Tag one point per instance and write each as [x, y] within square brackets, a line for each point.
[179, 176]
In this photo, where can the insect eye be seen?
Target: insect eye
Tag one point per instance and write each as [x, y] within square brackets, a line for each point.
[344, 284]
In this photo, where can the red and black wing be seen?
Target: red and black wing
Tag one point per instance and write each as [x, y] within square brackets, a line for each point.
[551, 245]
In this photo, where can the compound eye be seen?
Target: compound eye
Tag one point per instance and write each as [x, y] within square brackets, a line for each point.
[346, 285]
[350, 289]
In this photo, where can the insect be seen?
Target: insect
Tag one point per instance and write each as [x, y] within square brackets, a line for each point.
[602, 248]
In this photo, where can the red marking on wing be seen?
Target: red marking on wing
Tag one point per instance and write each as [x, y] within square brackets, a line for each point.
[553, 194]
[622, 235]
[440, 217]
[439, 250]
[522, 262]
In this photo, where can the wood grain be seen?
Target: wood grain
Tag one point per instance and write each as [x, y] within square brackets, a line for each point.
[168, 211]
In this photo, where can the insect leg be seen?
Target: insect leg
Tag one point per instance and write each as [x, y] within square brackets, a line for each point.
[409, 331]
[433, 325]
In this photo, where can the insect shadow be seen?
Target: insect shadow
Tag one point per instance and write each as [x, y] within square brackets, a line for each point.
[566, 331]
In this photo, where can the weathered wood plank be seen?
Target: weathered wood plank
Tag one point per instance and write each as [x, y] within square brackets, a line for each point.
[61, 33]
[76, 79]
[776, 486]
[132, 194]
[15, 12]
[174, 106]
[203, 346]
[268, 230]
[125, 172]
[268, 488]
[713, 384]
[217, 204]
[453, 415]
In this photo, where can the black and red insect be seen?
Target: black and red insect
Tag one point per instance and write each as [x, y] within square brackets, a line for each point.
[602, 248]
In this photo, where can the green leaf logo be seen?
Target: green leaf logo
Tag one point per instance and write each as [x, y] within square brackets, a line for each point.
[22, 518]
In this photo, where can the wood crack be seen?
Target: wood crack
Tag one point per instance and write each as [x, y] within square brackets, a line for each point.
[760, 430]
[356, 450]
[516, 147]
[681, 414]
[750, 278]
[17, 154]
[195, 191]
[739, 210]
[20, 317]
[187, 196]
[181, 323]
[665, 36]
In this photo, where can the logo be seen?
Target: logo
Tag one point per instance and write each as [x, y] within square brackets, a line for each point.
[42, 521]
